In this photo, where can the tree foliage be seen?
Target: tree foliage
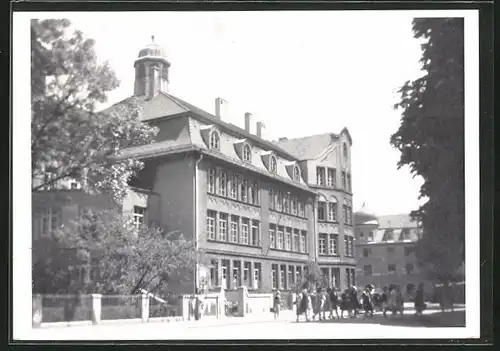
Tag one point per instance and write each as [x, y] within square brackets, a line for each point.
[69, 138]
[431, 141]
[122, 258]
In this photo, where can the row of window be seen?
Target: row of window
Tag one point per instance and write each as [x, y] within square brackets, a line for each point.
[327, 212]
[233, 229]
[281, 278]
[390, 250]
[288, 239]
[233, 186]
[246, 155]
[391, 269]
[242, 274]
[284, 202]
[327, 177]
[328, 245]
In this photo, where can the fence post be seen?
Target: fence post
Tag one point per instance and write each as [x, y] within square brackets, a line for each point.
[37, 309]
[96, 308]
[144, 307]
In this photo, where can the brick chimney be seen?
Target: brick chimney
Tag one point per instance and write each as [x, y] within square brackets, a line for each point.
[260, 126]
[248, 121]
[218, 102]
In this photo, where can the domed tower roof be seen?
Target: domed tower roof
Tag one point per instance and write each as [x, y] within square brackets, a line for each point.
[365, 216]
[153, 50]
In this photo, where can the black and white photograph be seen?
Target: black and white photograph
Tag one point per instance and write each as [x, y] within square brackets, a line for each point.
[246, 175]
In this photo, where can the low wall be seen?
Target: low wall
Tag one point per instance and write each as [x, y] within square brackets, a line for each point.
[260, 303]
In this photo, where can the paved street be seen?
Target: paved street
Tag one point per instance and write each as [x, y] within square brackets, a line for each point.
[264, 327]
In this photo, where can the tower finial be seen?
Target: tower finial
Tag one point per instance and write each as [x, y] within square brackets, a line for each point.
[153, 38]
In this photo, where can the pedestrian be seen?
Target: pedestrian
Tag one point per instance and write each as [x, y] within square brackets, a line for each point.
[333, 297]
[277, 304]
[367, 303]
[419, 300]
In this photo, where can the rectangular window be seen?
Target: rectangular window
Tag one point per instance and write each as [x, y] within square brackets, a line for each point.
[233, 191]
[282, 277]
[251, 193]
[390, 250]
[286, 203]
[279, 238]
[302, 209]
[389, 235]
[256, 276]
[272, 236]
[256, 193]
[298, 274]
[344, 181]
[211, 224]
[295, 240]
[222, 190]
[139, 213]
[294, 205]
[274, 276]
[321, 211]
[350, 215]
[348, 276]
[392, 269]
[320, 176]
[223, 226]
[333, 244]
[366, 252]
[290, 277]
[244, 190]
[409, 251]
[234, 228]
[49, 222]
[211, 180]
[351, 246]
[272, 199]
[353, 276]
[409, 269]
[331, 177]
[244, 230]
[344, 213]
[349, 189]
[288, 239]
[303, 246]
[346, 246]
[255, 233]
[332, 212]
[322, 244]
[279, 201]
[370, 236]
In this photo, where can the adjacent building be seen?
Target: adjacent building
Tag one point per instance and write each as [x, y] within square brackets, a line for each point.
[385, 247]
[260, 210]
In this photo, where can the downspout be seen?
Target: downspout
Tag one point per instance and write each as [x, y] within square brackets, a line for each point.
[196, 229]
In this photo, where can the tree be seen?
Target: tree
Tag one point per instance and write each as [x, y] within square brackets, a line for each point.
[69, 139]
[122, 257]
[431, 141]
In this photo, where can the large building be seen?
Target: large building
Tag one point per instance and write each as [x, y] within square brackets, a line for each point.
[260, 210]
[385, 250]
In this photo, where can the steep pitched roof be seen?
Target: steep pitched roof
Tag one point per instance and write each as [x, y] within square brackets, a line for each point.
[165, 105]
[396, 221]
[309, 147]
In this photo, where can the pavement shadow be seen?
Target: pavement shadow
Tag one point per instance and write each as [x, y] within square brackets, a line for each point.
[433, 320]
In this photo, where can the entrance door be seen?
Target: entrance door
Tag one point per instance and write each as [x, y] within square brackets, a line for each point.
[256, 278]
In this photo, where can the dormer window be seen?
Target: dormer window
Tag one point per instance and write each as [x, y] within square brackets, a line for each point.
[214, 140]
[296, 173]
[247, 153]
[273, 164]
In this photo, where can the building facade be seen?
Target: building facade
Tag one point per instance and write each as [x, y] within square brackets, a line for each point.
[385, 247]
[261, 211]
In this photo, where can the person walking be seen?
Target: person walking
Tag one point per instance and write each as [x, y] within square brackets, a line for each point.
[277, 304]
[419, 300]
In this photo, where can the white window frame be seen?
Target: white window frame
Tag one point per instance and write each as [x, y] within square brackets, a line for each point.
[296, 173]
[272, 199]
[303, 241]
[223, 219]
[244, 190]
[279, 237]
[272, 236]
[279, 201]
[246, 153]
[52, 218]
[322, 244]
[214, 143]
[255, 228]
[322, 209]
[234, 229]
[332, 211]
[139, 216]
[273, 164]
[333, 245]
[330, 177]
[211, 181]
[288, 239]
[320, 176]
[294, 205]
[295, 240]
[222, 182]
[245, 228]
[286, 203]
[211, 218]
[234, 186]
[302, 209]
[282, 281]
[274, 276]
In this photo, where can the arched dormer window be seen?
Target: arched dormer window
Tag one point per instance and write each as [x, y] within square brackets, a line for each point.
[214, 140]
[247, 153]
[346, 156]
[296, 173]
[273, 164]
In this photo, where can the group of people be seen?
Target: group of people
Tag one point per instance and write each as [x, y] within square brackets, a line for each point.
[319, 302]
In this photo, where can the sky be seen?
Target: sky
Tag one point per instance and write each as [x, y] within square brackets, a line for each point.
[301, 73]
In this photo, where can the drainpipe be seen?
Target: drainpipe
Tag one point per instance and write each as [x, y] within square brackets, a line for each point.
[196, 231]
